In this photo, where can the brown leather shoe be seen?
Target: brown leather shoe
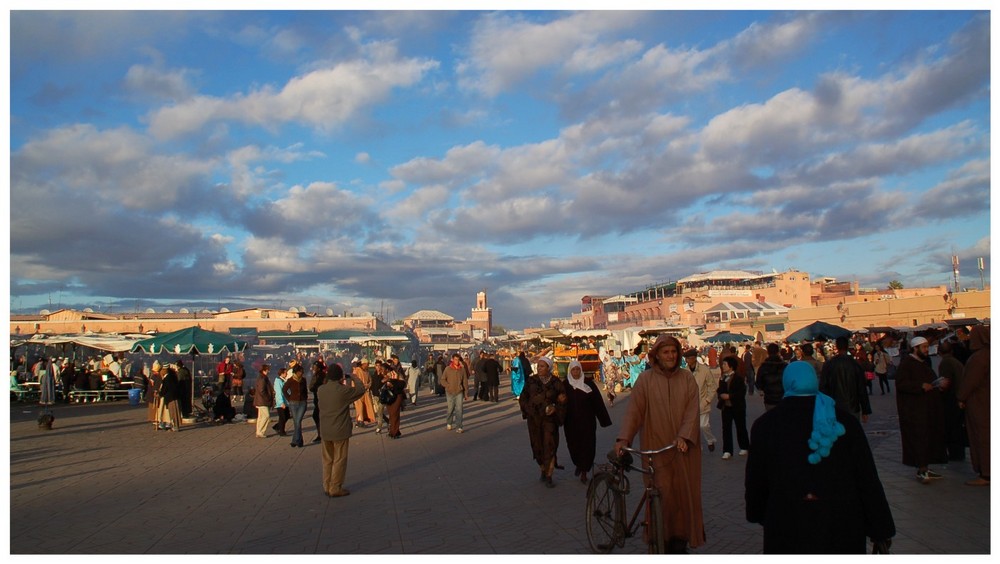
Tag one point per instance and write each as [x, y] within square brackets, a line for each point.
[341, 493]
[978, 482]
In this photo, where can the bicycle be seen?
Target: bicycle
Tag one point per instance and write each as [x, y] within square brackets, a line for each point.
[606, 509]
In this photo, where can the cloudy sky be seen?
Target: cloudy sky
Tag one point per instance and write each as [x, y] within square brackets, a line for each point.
[400, 161]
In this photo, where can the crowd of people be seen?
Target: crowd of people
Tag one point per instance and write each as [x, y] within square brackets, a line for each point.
[808, 460]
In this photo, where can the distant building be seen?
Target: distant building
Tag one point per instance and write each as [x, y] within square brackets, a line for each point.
[69, 321]
[441, 330]
[771, 305]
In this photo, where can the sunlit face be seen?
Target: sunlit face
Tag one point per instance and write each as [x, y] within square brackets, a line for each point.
[576, 372]
[543, 369]
[922, 350]
[798, 354]
[668, 356]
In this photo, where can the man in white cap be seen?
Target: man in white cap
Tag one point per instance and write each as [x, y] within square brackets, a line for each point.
[920, 405]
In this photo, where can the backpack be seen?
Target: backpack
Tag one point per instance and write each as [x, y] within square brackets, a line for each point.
[387, 394]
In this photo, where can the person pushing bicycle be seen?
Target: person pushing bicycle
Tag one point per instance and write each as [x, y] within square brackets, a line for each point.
[663, 410]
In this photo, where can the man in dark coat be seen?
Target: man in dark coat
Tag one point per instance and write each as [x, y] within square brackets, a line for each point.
[844, 380]
[335, 398]
[954, 418]
[813, 501]
[479, 372]
[748, 366]
[920, 406]
[492, 369]
[184, 379]
[769, 376]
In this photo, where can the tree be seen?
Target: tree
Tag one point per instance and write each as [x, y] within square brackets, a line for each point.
[498, 330]
[896, 285]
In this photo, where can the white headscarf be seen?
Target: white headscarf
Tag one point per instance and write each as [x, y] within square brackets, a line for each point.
[579, 384]
[548, 362]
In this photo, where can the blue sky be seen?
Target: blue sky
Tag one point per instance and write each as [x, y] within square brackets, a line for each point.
[361, 161]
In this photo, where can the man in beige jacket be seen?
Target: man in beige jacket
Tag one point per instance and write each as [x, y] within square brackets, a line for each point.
[707, 386]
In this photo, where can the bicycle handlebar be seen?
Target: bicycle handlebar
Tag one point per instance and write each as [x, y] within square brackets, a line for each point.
[648, 452]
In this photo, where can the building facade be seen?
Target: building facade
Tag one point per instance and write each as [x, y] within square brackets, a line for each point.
[771, 305]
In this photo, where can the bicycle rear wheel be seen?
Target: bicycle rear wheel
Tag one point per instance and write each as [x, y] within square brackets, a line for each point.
[605, 513]
[654, 524]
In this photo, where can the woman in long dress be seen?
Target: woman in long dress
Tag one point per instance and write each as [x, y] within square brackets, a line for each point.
[47, 382]
[584, 409]
[543, 405]
[519, 370]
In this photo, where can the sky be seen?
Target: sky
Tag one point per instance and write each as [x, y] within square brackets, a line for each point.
[390, 161]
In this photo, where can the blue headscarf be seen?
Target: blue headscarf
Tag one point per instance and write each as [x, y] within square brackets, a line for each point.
[800, 380]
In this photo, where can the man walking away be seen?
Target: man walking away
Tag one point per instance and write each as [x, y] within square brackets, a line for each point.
[492, 369]
[843, 379]
[769, 376]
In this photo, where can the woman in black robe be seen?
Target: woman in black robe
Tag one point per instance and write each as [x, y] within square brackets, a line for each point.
[584, 409]
[169, 413]
[811, 480]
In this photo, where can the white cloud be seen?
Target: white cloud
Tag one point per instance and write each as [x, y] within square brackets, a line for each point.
[458, 164]
[323, 99]
[596, 57]
[118, 166]
[363, 158]
[764, 43]
[505, 50]
[416, 206]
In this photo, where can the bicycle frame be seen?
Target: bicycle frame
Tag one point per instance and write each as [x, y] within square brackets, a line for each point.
[606, 509]
[650, 490]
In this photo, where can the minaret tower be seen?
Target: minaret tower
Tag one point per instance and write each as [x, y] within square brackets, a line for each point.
[482, 314]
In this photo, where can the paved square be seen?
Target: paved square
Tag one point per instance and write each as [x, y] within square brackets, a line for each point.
[104, 482]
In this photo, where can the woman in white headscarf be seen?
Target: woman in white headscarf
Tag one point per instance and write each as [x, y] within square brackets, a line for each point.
[584, 408]
[543, 404]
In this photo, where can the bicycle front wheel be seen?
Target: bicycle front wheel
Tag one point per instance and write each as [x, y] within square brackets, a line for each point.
[654, 526]
[605, 513]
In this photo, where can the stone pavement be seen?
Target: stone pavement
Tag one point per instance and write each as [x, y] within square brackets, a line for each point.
[104, 482]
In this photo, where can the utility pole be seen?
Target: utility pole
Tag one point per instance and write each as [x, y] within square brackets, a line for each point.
[982, 278]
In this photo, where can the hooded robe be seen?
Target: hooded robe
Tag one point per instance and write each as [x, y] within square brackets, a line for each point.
[663, 408]
[974, 390]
